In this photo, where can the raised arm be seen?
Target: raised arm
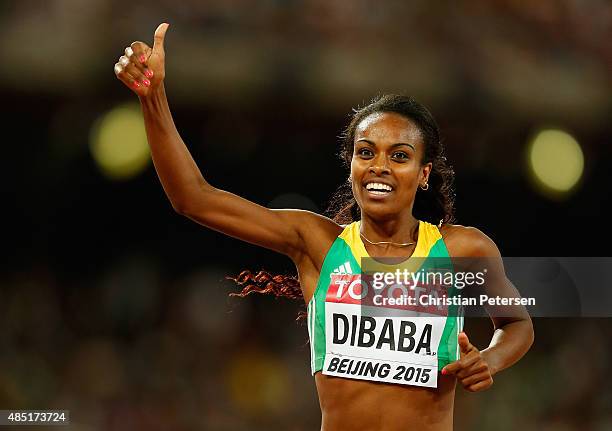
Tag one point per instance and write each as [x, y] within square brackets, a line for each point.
[142, 69]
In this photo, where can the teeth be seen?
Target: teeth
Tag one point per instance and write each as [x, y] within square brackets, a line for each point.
[378, 187]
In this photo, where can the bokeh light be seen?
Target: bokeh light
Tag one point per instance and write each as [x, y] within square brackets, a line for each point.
[258, 382]
[119, 143]
[556, 161]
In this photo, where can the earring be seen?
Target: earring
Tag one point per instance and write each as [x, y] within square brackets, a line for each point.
[425, 187]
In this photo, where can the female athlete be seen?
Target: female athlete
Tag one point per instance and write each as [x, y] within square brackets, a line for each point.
[397, 169]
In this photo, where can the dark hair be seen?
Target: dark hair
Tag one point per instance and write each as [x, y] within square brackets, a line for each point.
[436, 205]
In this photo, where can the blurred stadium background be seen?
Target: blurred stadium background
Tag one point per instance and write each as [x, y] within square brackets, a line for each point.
[114, 307]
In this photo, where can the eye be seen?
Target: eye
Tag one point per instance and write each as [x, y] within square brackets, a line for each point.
[365, 152]
[400, 155]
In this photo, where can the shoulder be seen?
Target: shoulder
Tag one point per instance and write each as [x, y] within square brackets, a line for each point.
[316, 231]
[467, 241]
[317, 235]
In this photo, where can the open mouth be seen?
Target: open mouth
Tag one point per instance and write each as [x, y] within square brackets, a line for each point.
[378, 189]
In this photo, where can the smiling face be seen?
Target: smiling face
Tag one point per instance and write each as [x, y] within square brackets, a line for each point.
[386, 165]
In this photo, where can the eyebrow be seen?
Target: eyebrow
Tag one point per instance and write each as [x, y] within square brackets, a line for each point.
[392, 146]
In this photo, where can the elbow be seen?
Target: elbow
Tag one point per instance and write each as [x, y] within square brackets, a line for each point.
[528, 333]
[190, 202]
[531, 333]
[181, 208]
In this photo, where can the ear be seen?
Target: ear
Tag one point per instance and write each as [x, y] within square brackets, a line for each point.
[425, 171]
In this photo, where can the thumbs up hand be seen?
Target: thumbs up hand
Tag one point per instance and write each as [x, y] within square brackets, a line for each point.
[471, 369]
[142, 68]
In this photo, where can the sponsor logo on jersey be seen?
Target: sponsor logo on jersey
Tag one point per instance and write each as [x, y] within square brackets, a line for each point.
[356, 289]
[345, 268]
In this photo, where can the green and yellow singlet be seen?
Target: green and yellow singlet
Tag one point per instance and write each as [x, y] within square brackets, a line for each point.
[355, 334]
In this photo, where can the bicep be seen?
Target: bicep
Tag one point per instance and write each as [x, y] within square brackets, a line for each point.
[497, 286]
[230, 214]
[482, 255]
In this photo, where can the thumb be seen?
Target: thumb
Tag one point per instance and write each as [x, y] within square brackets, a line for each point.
[464, 342]
[160, 34]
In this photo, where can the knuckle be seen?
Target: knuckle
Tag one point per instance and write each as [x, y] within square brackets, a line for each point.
[138, 45]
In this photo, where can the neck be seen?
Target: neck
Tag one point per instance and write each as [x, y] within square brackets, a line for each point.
[400, 229]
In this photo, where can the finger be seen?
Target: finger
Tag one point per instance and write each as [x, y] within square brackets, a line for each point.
[475, 378]
[451, 368]
[141, 53]
[464, 343]
[123, 61]
[125, 65]
[135, 73]
[125, 77]
[477, 367]
[160, 34]
[138, 54]
[465, 362]
[470, 359]
[480, 386]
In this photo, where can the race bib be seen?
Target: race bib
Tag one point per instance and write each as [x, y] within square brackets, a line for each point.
[381, 343]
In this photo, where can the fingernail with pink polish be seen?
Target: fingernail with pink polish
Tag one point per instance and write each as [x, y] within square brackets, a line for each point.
[146, 82]
[149, 73]
[142, 58]
[136, 84]
[444, 372]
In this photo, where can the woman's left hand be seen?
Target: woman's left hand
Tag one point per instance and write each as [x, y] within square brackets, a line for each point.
[472, 370]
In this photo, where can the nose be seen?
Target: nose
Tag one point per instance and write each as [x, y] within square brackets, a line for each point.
[379, 166]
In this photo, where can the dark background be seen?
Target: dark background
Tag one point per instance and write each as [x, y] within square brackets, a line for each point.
[116, 308]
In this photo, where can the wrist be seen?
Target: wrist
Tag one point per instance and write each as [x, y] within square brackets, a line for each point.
[490, 358]
[154, 97]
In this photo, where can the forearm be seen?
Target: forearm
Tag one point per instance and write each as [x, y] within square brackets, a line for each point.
[508, 344]
[179, 174]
